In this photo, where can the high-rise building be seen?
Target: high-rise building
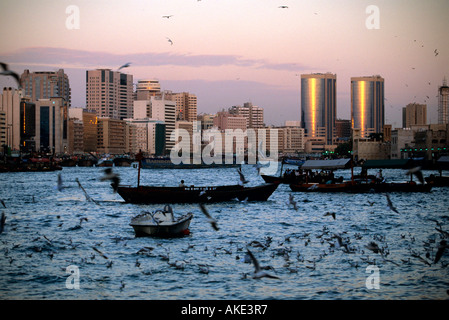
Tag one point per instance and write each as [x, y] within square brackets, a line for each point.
[46, 85]
[109, 93]
[367, 105]
[49, 84]
[10, 104]
[253, 114]
[186, 106]
[319, 105]
[443, 103]
[224, 121]
[49, 125]
[414, 114]
[111, 136]
[147, 88]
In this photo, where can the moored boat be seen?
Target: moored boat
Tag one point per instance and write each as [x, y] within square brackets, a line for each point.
[192, 194]
[362, 185]
[161, 223]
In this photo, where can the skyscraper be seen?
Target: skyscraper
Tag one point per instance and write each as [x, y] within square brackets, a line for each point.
[46, 85]
[319, 105]
[109, 93]
[443, 103]
[147, 88]
[414, 114]
[367, 104]
[186, 106]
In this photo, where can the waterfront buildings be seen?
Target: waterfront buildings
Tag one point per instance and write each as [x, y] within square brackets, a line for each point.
[145, 89]
[186, 106]
[109, 93]
[443, 103]
[367, 104]
[318, 106]
[253, 114]
[414, 114]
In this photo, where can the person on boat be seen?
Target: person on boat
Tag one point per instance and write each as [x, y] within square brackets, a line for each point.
[379, 177]
[182, 185]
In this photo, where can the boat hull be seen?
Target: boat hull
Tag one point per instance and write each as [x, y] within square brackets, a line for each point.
[361, 187]
[150, 194]
[177, 229]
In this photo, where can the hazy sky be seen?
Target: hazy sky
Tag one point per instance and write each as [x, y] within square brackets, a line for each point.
[228, 52]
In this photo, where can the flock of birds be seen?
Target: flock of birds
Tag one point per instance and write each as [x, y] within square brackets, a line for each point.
[358, 247]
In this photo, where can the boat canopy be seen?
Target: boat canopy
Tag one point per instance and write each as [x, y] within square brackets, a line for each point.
[387, 164]
[327, 164]
[443, 160]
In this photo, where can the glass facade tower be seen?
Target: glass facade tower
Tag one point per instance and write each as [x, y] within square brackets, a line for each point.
[318, 105]
[367, 105]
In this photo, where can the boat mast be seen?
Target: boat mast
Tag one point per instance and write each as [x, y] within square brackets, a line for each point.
[139, 158]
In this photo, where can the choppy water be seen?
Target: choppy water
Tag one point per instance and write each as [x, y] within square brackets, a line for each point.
[43, 236]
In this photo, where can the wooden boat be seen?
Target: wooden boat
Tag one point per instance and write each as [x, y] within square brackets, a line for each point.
[355, 186]
[192, 194]
[161, 223]
[362, 187]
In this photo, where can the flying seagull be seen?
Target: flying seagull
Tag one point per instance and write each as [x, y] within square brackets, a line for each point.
[258, 272]
[242, 177]
[330, 214]
[436, 52]
[390, 204]
[291, 201]
[168, 17]
[212, 221]
[283, 7]
[2, 222]
[169, 40]
[441, 247]
[126, 65]
[417, 172]
[7, 72]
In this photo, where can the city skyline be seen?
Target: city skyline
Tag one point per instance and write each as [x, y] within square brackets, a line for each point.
[228, 53]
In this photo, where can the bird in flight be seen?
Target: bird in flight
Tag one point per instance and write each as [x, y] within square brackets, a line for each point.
[390, 204]
[212, 221]
[283, 7]
[169, 40]
[436, 52]
[168, 17]
[7, 72]
[258, 272]
[126, 65]
[441, 247]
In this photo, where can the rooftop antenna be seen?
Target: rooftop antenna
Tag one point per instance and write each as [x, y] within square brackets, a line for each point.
[444, 81]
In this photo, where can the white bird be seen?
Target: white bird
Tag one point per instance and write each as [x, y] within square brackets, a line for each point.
[242, 177]
[258, 272]
[292, 202]
[211, 220]
[7, 72]
[418, 173]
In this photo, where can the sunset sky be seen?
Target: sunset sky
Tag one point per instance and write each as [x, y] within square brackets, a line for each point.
[229, 52]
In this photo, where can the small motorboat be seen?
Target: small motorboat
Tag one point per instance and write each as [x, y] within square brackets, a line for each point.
[161, 223]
